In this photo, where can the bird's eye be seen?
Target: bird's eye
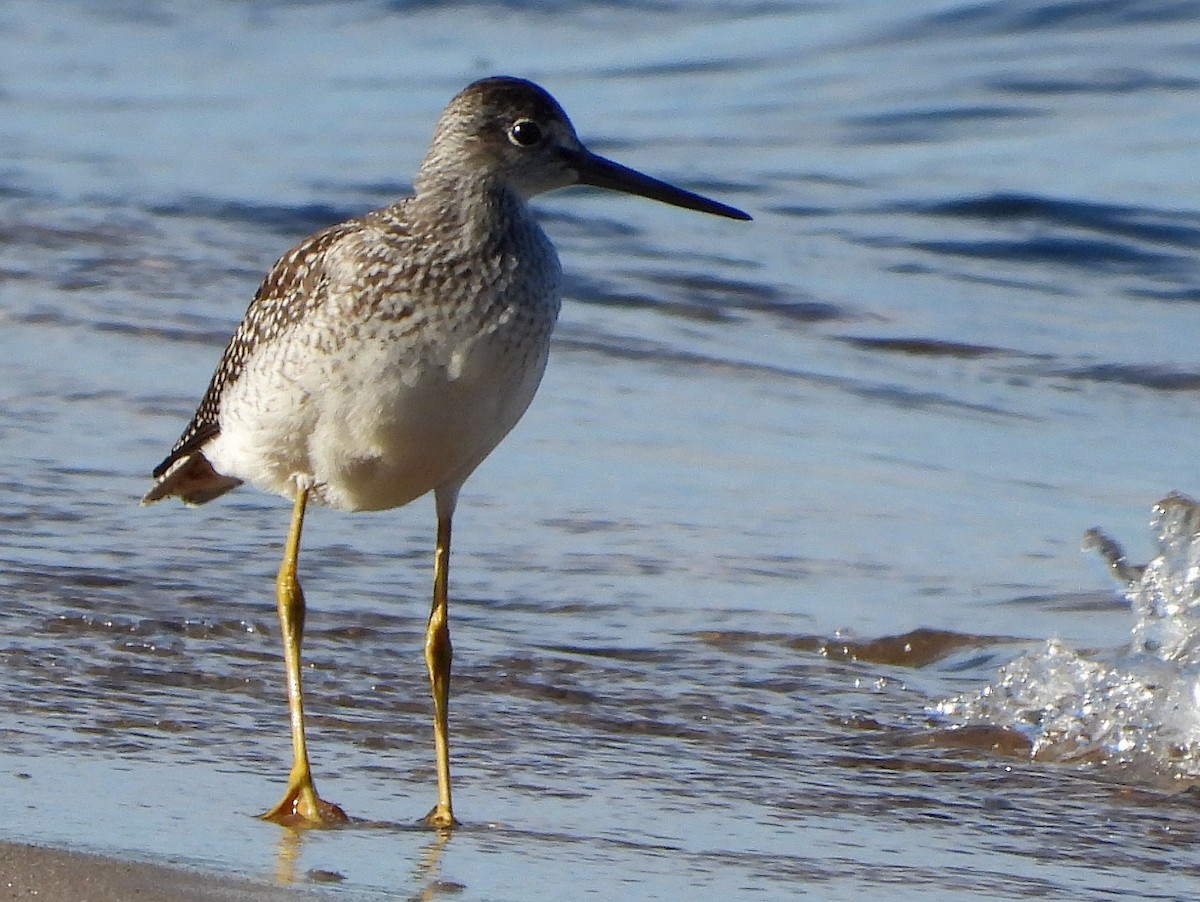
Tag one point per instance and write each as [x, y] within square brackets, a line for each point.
[525, 133]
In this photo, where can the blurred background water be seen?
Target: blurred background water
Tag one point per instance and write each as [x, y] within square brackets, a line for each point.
[796, 497]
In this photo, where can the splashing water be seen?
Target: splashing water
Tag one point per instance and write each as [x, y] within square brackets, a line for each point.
[1140, 712]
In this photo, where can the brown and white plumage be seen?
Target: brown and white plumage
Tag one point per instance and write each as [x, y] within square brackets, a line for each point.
[385, 357]
[382, 358]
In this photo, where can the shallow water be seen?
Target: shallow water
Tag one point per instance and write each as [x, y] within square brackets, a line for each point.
[960, 331]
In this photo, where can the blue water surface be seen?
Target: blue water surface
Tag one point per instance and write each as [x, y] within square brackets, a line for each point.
[960, 330]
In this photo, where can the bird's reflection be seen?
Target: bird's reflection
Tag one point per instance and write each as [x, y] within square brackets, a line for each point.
[426, 874]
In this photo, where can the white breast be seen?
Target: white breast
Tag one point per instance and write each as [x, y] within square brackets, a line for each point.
[373, 416]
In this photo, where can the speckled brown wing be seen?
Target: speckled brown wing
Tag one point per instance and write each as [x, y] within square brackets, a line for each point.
[296, 283]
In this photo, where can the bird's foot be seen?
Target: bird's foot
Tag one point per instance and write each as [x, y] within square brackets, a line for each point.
[302, 807]
[441, 817]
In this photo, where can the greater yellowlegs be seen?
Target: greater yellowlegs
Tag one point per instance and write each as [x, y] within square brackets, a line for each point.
[385, 357]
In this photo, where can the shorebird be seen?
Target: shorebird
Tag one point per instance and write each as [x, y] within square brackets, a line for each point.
[384, 358]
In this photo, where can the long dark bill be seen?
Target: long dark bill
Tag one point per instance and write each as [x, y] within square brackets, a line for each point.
[599, 172]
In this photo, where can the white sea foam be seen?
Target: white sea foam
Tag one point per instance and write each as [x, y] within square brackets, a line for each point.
[1142, 710]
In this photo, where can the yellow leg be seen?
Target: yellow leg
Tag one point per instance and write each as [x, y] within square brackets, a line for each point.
[437, 658]
[300, 805]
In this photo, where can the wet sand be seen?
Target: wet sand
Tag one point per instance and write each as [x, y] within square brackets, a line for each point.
[53, 875]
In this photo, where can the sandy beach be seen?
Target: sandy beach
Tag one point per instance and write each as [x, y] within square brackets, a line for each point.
[54, 875]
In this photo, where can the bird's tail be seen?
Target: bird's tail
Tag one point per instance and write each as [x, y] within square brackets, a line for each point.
[192, 479]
